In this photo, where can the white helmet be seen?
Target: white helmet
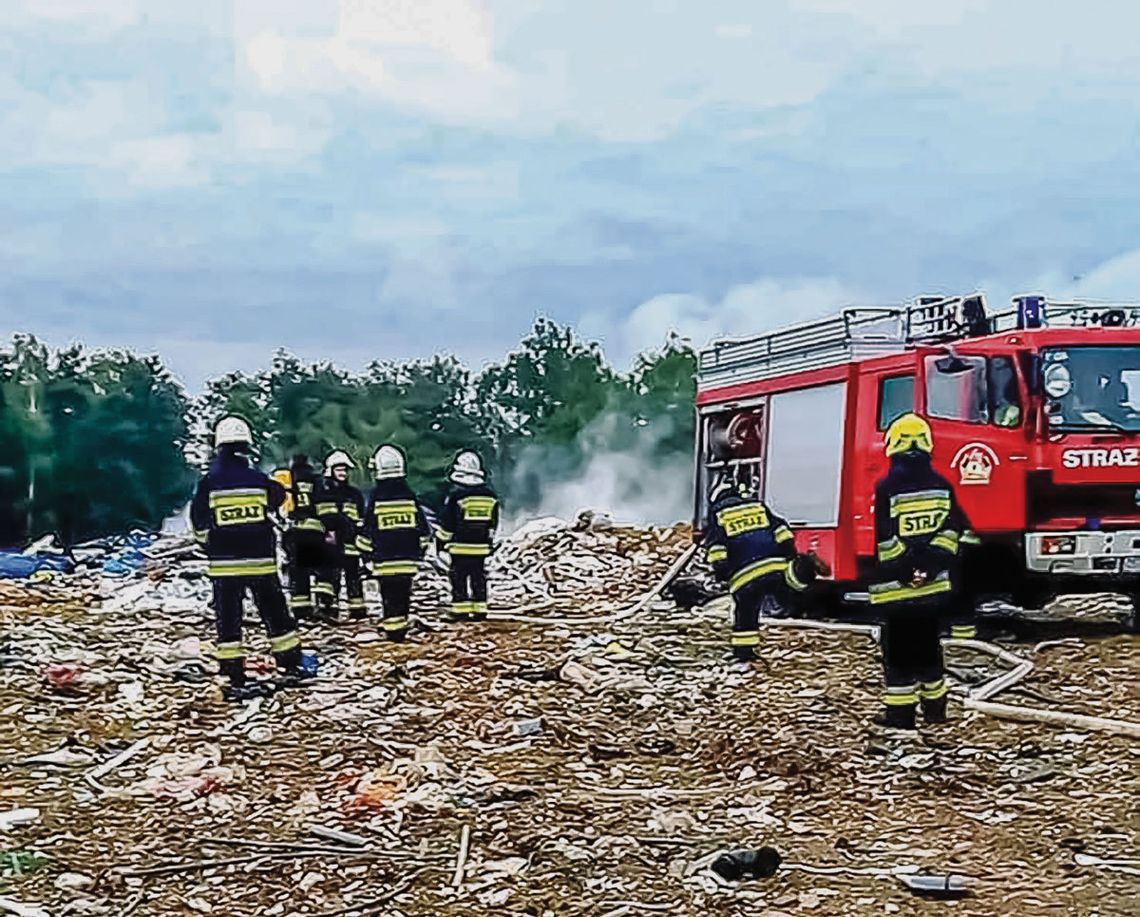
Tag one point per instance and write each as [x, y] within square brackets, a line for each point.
[232, 430]
[468, 469]
[338, 459]
[389, 462]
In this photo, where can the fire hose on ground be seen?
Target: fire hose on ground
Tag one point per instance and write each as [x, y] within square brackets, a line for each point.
[977, 698]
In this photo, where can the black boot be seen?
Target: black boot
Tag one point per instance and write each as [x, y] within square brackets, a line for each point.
[897, 716]
[744, 653]
[292, 674]
[239, 692]
[934, 711]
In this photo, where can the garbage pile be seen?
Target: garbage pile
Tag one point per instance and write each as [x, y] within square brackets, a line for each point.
[557, 767]
[548, 565]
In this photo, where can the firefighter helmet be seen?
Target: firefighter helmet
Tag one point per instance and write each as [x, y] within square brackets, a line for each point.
[467, 469]
[338, 459]
[232, 431]
[389, 462]
[908, 434]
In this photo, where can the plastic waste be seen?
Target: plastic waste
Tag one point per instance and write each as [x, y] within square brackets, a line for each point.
[758, 863]
[944, 886]
[22, 566]
[310, 664]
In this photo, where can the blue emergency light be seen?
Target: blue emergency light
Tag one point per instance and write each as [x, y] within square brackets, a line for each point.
[1030, 311]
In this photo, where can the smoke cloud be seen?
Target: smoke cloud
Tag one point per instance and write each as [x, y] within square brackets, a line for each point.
[613, 468]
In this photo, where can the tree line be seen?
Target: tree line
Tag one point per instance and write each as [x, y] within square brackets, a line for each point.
[98, 442]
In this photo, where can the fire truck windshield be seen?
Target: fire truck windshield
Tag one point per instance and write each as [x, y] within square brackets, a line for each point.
[1091, 387]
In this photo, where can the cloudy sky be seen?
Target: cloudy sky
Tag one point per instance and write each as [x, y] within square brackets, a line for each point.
[360, 179]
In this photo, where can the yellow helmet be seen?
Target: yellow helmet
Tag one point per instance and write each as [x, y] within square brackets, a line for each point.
[909, 432]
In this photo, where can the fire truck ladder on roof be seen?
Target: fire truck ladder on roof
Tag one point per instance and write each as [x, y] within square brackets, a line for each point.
[855, 334]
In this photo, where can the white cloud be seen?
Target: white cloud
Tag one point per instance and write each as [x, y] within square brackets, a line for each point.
[1118, 279]
[746, 309]
[168, 161]
[116, 13]
[264, 134]
[458, 28]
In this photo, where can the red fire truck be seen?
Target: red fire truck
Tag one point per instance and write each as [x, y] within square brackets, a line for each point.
[1036, 421]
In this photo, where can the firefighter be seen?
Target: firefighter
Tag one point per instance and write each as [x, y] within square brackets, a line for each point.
[918, 530]
[753, 549]
[230, 515]
[396, 535]
[305, 538]
[466, 532]
[340, 507]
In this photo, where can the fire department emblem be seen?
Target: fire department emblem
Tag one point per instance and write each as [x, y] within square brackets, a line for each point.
[975, 463]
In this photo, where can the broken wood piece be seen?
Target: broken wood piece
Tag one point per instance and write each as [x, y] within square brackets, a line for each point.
[461, 860]
[97, 773]
[340, 837]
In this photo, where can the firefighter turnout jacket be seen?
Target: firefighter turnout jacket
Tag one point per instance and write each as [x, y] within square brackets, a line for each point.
[395, 532]
[230, 515]
[306, 483]
[747, 543]
[340, 508]
[919, 529]
[469, 519]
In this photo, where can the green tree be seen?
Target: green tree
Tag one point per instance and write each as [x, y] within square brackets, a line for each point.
[93, 443]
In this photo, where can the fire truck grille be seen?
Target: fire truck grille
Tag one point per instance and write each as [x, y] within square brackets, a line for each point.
[1083, 501]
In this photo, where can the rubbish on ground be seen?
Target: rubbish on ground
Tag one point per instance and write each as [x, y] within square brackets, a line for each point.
[15, 817]
[340, 837]
[1129, 867]
[73, 882]
[11, 906]
[529, 727]
[944, 886]
[735, 865]
[652, 749]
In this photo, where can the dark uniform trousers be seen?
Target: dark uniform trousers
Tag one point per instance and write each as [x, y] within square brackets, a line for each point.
[229, 595]
[396, 597]
[328, 584]
[469, 586]
[306, 552]
[912, 653]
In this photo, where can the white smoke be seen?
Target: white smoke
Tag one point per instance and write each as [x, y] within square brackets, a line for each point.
[635, 486]
[749, 308]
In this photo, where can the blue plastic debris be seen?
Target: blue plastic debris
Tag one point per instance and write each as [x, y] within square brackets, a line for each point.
[22, 566]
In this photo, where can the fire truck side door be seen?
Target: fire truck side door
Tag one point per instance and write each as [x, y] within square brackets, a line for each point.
[976, 408]
[884, 394]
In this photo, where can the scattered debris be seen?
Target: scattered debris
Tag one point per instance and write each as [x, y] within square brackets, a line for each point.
[598, 764]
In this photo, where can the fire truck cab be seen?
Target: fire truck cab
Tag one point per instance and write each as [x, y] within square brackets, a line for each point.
[1036, 421]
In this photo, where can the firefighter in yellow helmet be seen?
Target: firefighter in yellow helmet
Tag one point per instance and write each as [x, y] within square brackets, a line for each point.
[918, 530]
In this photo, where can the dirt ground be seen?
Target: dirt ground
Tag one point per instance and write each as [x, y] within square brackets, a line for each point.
[595, 765]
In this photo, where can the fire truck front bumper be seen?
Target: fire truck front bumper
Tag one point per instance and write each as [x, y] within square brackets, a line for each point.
[1084, 553]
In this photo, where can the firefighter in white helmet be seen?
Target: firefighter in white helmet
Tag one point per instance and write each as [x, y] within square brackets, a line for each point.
[919, 530]
[340, 507]
[394, 538]
[466, 531]
[230, 515]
